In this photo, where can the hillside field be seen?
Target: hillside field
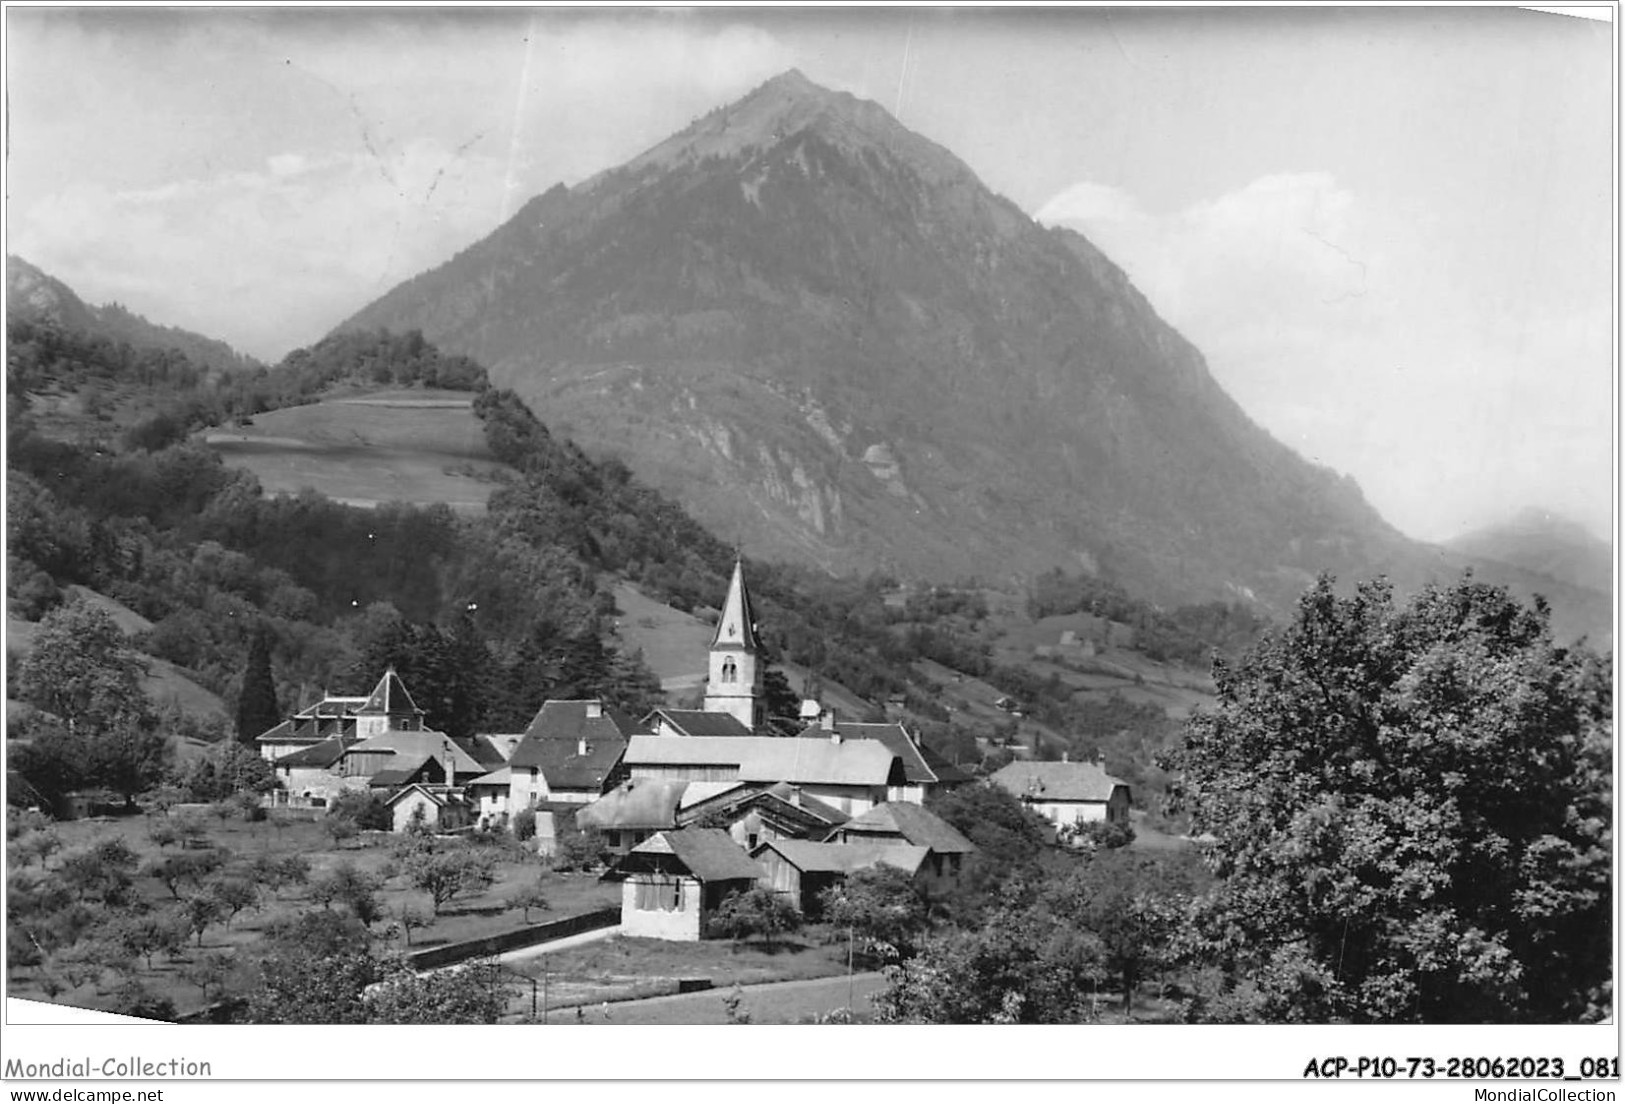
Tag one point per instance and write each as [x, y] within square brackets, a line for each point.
[165, 683]
[414, 446]
[675, 646]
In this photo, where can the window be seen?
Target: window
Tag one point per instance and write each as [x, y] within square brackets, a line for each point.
[751, 846]
[612, 838]
[953, 864]
[664, 895]
[730, 671]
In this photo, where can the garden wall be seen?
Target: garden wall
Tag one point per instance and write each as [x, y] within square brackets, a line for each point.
[431, 957]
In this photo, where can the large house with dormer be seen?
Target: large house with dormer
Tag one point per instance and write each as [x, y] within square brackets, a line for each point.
[388, 708]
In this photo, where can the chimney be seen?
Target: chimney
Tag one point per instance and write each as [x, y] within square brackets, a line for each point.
[826, 719]
[1066, 757]
[449, 763]
[583, 748]
[595, 709]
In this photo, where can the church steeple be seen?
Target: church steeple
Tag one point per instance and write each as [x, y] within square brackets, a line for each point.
[734, 684]
[736, 628]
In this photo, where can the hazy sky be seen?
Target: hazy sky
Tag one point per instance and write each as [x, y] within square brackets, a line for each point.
[1390, 231]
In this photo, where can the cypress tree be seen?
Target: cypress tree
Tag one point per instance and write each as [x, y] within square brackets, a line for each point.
[257, 708]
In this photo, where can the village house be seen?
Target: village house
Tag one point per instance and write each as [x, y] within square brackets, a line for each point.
[748, 811]
[442, 808]
[903, 822]
[388, 707]
[674, 881]
[803, 871]
[306, 776]
[925, 772]
[391, 759]
[488, 794]
[1068, 795]
[850, 775]
[571, 752]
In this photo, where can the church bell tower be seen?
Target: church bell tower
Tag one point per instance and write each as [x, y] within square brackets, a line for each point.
[734, 683]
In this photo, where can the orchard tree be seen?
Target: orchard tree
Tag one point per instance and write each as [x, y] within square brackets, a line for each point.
[444, 875]
[757, 911]
[1412, 813]
[882, 909]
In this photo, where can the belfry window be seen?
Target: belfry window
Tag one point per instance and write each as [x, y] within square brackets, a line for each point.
[730, 670]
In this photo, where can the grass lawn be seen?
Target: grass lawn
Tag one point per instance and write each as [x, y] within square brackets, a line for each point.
[463, 918]
[623, 967]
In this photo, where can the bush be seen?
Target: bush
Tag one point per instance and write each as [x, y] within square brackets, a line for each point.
[524, 825]
[367, 810]
[1098, 834]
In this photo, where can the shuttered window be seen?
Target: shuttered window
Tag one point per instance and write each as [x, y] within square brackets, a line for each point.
[659, 896]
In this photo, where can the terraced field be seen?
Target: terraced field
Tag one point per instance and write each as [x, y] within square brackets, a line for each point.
[419, 447]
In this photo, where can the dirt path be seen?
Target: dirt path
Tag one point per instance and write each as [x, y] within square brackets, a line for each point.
[778, 1002]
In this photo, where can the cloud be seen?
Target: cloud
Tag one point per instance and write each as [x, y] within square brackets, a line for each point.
[1345, 330]
[318, 159]
[265, 260]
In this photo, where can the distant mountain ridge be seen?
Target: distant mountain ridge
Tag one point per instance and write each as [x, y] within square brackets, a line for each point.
[35, 296]
[825, 336]
[1539, 541]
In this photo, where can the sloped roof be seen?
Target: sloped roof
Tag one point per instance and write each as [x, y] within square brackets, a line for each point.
[324, 754]
[390, 697]
[947, 774]
[496, 747]
[916, 767]
[851, 762]
[686, 751]
[558, 722]
[552, 744]
[1057, 781]
[277, 731]
[773, 759]
[781, 803]
[637, 803]
[332, 706]
[419, 745]
[736, 628]
[700, 722]
[843, 858]
[397, 775]
[440, 795]
[502, 776]
[791, 794]
[914, 823]
[710, 854]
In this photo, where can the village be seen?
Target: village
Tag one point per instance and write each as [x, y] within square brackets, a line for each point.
[692, 805]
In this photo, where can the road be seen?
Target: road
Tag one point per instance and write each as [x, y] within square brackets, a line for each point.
[778, 1002]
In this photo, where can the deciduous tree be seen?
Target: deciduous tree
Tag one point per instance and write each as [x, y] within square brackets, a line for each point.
[1411, 808]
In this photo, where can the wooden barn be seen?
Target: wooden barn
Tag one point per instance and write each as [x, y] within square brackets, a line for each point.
[801, 870]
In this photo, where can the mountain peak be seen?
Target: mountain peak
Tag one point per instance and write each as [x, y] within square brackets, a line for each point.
[778, 109]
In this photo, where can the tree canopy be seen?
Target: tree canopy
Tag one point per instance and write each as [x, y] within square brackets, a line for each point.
[1411, 808]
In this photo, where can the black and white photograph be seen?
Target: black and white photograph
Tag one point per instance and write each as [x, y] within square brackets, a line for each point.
[901, 518]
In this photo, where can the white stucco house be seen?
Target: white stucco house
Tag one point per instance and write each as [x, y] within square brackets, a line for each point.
[1067, 794]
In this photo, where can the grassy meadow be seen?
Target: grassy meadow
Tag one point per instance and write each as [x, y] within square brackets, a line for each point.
[415, 446]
